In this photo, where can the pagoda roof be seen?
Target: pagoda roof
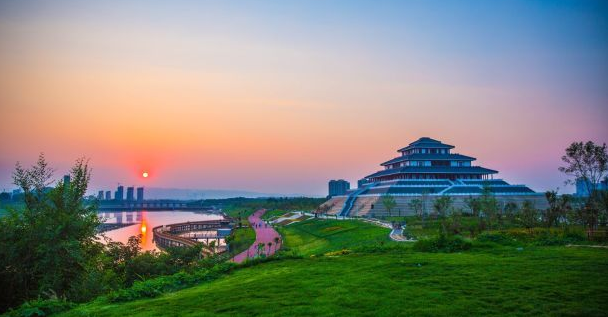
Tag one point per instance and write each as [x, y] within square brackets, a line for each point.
[431, 157]
[435, 170]
[426, 142]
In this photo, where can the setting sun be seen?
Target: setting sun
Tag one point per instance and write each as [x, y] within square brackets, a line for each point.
[145, 174]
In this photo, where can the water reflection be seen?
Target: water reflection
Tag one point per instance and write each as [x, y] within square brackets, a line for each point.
[143, 221]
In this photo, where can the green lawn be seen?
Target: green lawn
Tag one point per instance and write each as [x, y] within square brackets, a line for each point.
[243, 238]
[391, 280]
[273, 213]
[316, 236]
[532, 282]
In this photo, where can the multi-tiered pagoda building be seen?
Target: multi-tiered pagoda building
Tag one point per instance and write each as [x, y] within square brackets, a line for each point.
[427, 169]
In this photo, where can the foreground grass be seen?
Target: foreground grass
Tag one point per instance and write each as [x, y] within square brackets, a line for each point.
[316, 236]
[535, 281]
[390, 279]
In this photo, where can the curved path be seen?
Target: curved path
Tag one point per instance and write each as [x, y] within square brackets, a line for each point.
[263, 234]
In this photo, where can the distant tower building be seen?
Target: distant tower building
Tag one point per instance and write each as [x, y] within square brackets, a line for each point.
[140, 194]
[130, 196]
[108, 195]
[119, 195]
[338, 187]
[100, 195]
[583, 187]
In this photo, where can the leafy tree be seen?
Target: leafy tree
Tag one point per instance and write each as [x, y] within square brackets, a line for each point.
[509, 211]
[602, 204]
[489, 206]
[416, 206]
[588, 163]
[528, 216]
[49, 246]
[454, 222]
[442, 205]
[558, 207]
[473, 204]
[389, 203]
[276, 243]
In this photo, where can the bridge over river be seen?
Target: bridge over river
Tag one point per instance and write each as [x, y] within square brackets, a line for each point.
[190, 233]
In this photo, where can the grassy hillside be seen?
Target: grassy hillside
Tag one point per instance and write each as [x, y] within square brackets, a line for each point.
[390, 279]
[535, 281]
[318, 236]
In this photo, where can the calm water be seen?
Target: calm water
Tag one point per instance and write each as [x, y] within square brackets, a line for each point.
[144, 221]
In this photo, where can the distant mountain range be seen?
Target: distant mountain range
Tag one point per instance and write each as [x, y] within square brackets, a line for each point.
[181, 193]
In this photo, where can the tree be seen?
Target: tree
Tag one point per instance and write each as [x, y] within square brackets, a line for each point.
[269, 246]
[276, 243]
[509, 210]
[261, 246]
[442, 205]
[587, 162]
[558, 208]
[50, 245]
[528, 216]
[473, 205]
[389, 203]
[416, 206]
[489, 205]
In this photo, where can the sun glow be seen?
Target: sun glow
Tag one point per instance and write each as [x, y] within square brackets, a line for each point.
[145, 174]
[143, 228]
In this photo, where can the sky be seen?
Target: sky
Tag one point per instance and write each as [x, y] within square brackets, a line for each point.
[280, 97]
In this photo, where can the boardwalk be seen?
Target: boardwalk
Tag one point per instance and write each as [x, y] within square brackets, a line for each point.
[263, 234]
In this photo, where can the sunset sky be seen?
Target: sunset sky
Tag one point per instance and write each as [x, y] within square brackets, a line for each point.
[279, 98]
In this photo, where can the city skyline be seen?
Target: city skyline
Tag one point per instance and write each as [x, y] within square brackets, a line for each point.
[281, 98]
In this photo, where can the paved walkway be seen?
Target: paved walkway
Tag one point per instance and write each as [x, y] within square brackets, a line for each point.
[263, 234]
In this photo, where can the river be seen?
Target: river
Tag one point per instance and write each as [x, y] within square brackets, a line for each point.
[144, 221]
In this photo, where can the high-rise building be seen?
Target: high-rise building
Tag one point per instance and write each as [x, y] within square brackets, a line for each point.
[119, 194]
[108, 195]
[100, 195]
[130, 196]
[583, 187]
[338, 187]
[140, 194]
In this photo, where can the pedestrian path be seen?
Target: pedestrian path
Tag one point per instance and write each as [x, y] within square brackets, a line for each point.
[264, 233]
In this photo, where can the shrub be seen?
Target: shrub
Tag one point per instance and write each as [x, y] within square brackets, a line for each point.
[40, 307]
[157, 286]
[442, 243]
[546, 236]
[498, 238]
[336, 253]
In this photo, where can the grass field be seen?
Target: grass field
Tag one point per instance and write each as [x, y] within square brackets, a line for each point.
[390, 280]
[273, 213]
[532, 282]
[316, 236]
